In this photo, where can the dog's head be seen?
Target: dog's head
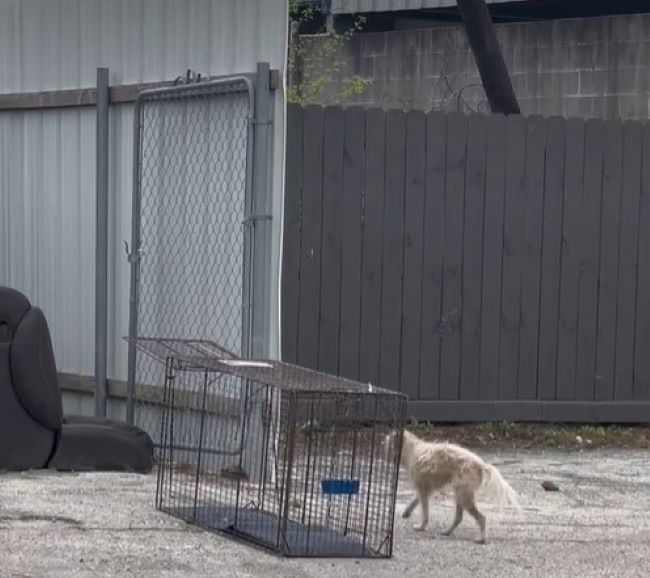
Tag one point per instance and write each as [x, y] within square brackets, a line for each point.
[392, 439]
[388, 440]
[387, 445]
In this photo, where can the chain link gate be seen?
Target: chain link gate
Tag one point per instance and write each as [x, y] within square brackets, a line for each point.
[192, 257]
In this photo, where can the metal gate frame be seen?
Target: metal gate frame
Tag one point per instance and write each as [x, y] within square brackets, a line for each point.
[257, 222]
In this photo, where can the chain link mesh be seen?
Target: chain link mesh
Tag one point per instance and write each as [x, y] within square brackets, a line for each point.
[193, 145]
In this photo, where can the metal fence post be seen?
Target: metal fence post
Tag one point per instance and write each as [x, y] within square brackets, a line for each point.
[101, 243]
[261, 212]
[260, 220]
[133, 259]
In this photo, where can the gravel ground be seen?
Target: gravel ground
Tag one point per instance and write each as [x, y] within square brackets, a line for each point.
[105, 525]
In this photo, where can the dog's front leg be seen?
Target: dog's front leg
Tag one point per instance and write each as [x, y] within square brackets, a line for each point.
[409, 509]
[457, 520]
[424, 502]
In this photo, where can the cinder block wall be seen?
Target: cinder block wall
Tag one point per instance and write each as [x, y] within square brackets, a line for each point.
[590, 68]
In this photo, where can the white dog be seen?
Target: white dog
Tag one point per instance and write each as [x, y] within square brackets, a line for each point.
[433, 466]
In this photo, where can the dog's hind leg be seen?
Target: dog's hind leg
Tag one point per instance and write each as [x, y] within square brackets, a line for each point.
[409, 509]
[457, 520]
[423, 498]
[466, 500]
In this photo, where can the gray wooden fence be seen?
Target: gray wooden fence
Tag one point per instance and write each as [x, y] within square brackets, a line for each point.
[489, 267]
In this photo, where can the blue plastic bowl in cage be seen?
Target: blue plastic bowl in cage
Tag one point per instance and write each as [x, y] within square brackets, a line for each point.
[340, 487]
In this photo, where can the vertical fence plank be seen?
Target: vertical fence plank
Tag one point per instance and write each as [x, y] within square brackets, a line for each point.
[570, 271]
[473, 257]
[351, 242]
[512, 256]
[391, 298]
[328, 339]
[310, 246]
[609, 253]
[627, 269]
[434, 238]
[291, 235]
[453, 260]
[373, 233]
[551, 259]
[590, 260]
[641, 389]
[532, 255]
[492, 258]
[413, 248]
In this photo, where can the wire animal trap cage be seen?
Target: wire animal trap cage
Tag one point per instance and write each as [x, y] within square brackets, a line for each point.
[287, 458]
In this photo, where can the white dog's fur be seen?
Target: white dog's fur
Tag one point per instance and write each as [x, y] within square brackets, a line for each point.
[433, 466]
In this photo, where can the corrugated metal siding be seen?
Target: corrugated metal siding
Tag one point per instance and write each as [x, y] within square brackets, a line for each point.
[358, 6]
[51, 44]
[47, 224]
[77, 403]
[47, 158]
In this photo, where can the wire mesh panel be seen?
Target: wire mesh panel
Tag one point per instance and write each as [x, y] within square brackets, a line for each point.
[190, 275]
[294, 460]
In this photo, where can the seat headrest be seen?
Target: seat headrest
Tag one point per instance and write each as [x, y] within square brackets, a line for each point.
[13, 307]
[27, 356]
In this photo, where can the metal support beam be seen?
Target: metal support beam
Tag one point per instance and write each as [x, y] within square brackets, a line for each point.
[73, 98]
[84, 97]
[295, 57]
[101, 243]
[489, 59]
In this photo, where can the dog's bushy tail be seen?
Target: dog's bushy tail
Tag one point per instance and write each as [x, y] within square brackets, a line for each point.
[496, 489]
